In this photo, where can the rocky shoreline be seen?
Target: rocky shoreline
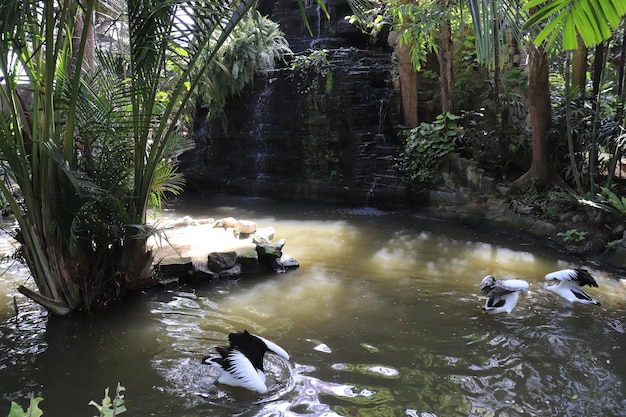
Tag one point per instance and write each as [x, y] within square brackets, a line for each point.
[231, 248]
[468, 194]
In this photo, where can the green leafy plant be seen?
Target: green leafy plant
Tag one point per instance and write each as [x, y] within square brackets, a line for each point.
[33, 409]
[310, 67]
[109, 407]
[254, 46]
[615, 203]
[426, 145]
[609, 202]
[610, 245]
[572, 236]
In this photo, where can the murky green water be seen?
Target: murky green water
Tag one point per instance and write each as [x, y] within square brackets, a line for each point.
[382, 318]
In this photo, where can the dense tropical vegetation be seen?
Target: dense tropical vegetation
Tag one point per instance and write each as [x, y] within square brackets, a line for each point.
[93, 95]
[576, 112]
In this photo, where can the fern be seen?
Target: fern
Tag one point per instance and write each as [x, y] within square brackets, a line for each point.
[253, 47]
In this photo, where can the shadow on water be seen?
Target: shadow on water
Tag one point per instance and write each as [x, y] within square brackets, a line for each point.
[382, 318]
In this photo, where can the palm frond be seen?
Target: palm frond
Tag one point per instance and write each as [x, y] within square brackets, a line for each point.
[592, 20]
[493, 20]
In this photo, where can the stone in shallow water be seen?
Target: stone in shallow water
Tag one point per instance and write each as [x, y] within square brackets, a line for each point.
[288, 261]
[263, 235]
[245, 228]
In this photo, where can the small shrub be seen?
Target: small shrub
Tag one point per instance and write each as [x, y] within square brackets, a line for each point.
[310, 67]
[572, 236]
[426, 145]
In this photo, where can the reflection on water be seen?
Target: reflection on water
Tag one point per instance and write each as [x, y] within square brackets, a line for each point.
[382, 318]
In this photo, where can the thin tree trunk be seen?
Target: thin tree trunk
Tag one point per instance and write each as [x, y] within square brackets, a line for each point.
[445, 67]
[568, 126]
[598, 67]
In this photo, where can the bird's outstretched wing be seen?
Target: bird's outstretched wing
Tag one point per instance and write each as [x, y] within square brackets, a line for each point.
[238, 371]
[581, 277]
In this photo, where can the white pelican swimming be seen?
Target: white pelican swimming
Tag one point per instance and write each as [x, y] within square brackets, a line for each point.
[241, 363]
[503, 294]
[569, 283]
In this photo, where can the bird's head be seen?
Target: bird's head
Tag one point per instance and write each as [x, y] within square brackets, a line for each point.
[486, 284]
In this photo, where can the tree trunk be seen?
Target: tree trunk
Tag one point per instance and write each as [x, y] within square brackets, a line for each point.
[445, 67]
[408, 85]
[408, 78]
[540, 118]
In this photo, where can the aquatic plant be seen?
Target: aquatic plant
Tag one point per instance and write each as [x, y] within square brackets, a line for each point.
[109, 407]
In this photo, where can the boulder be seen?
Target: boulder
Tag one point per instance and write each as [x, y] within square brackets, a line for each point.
[226, 223]
[175, 267]
[219, 261]
[201, 272]
[244, 228]
[269, 255]
[288, 262]
[264, 235]
[231, 273]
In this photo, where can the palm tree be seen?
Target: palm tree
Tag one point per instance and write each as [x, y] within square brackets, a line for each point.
[85, 150]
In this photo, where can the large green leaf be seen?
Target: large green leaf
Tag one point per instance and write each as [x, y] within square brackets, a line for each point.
[593, 20]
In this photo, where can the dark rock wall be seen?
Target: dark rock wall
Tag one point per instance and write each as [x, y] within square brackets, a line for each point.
[305, 136]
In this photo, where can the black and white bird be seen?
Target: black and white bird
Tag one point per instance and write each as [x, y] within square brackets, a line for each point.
[503, 294]
[241, 363]
[569, 283]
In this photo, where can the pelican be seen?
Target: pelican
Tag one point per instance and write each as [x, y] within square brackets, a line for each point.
[569, 283]
[503, 294]
[241, 363]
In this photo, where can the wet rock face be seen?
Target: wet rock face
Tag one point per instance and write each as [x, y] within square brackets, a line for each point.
[307, 135]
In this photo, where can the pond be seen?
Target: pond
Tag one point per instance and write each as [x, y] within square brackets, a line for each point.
[383, 318]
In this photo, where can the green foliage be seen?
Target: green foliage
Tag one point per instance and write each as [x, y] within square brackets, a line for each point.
[572, 236]
[254, 46]
[592, 20]
[33, 409]
[613, 244]
[426, 145]
[417, 23]
[610, 140]
[545, 199]
[309, 68]
[369, 16]
[494, 22]
[608, 202]
[111, 407]
[470, 78]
